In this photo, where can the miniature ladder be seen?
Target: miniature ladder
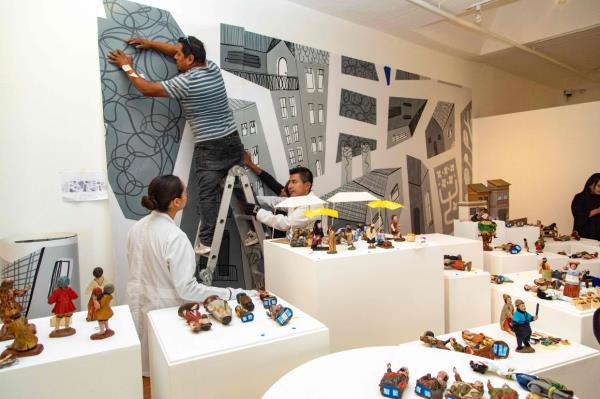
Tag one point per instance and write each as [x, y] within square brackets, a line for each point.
[250, 259]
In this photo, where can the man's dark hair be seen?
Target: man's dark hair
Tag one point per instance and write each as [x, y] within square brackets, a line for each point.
[195, 47]
[305, 174]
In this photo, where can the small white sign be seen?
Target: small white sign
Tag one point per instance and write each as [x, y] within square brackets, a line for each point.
[83, 186]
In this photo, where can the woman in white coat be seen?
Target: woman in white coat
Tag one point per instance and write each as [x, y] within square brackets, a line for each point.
[162, 261]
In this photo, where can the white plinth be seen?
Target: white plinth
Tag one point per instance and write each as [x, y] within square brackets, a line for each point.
[365, 297]
[571, 246]
[356, 373]
[560, 317]
[240, 360]
[76, 366]
[503, 234]
[517, 234]
[471, 250]
[502, 262]
[574, 365]
[461, 310]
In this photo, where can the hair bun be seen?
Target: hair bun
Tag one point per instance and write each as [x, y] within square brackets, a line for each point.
[149, 202]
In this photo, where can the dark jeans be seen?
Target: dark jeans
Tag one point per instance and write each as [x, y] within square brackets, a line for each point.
[212, 161]
[523, 334]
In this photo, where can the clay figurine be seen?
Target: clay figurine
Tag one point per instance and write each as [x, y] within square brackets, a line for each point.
[349, 237]
[432, 388]
[500, 279]
[317, 235]
[464, 390]
[244, 314]
[218, 308]
[331, 241]
[520, 325]
[370, 236]
[540, 244]
[562, 237]
[584, 255]
[282, 315]
[7, 360]
[510, 248]
[485, 346]
[452, 262]
[395, 229]
[504, 392]
[477, 216]
[575, 235]
[487, 230]
[572, 280]
[25, 342]
[244, 300]
[525, 245]
[429, 338]
[545, 269]
[506, 315]
[104, 312]
[62, 298]
[96, 283]
[457, 347]
[482, 366]
[267, 299]
[299, 238]
[380, 237]
[550, 231]
[191, 313]
[9, 307]
[393, 383]
[543, 387]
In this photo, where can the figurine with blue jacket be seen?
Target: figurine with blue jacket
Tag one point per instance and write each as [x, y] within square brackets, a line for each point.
[520, 325]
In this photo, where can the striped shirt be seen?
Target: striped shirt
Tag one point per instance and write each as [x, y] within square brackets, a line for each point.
[202, 95]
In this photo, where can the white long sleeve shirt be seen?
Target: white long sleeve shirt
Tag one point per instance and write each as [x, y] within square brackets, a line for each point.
[295, 218]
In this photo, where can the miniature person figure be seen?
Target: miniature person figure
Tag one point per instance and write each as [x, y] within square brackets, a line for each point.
[545, 269]
[104, 312]
[370, 236]
[349, 237]
[62, 298]
[504, 392]
[397, 380]
[525, 245]
[97, 282]
[395, 229]
[380, 237]
[455, 262]
[9, 307]
[506, 315]
[461, 389]
[437, 385]
[520, 323]
[572, 280]
[487, 230]
[191, 313]
[429, 338]
[540, 244]
[331, 234]
[25, 342]
[317, 235]
[218, 308]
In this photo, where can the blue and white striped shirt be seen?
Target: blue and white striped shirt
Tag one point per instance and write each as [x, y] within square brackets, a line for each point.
[202, 95]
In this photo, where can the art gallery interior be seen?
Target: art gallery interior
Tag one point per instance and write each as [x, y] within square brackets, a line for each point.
[474, 124]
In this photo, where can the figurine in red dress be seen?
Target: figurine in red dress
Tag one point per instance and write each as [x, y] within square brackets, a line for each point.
[62, 298]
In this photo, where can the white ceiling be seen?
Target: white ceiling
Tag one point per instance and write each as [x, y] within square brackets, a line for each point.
[568, 31]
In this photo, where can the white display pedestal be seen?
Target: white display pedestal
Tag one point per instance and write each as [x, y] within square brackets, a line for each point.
[560, 317]
[574, 365]
[365, 297]
[471, 250]
[502, 262]
[571, 246]
[356, 373]
[76, 366]
[461, 310]
[503, 234]
[240, 360]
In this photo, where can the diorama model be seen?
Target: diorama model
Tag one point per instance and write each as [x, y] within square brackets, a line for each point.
[487, 230]
[104, 312]
[395, 229]
[331, 241]
[370, 236]
[432, 388]
[267, 299]
[9, 307]
[191, 313]
[572, 280]
[545, 269]
[281, 314]
[25, 342]
[317, 236]
[218, 308]
[562, 237]
[93, 289]
[62, 298]
[464, 390]
[452, 262]
[520, 325]
[506, 314]
[510, 248]
[393, 383]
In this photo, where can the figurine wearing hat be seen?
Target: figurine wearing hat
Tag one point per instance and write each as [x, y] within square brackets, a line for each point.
[520, 324]
[572, 280]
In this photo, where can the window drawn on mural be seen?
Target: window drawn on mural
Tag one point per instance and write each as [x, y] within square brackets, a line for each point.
[244, 129]
[446, 179]
[288, 70]
[300, 155]
[419, 195]
[313, 142]
[292, 155]
[142, 133]
[350, 146]
[320, 143]
[321, 114]
[358, 106]
[403, 117]
[318, 168]
[254, 154]
[252, 127]
[439, 133]
[359, 68]
[466, 149]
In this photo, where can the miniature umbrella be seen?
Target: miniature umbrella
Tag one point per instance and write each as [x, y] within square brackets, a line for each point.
[311, 213]
[301, 200]
[391, 205]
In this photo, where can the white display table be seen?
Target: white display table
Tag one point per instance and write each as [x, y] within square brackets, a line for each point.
[365, 297]
[77, 367]
[560, 317]
[571, 246]
[502, 262]
[461, 310]
[356, 373]
[574, 365]
[240, 360]
[503, 234]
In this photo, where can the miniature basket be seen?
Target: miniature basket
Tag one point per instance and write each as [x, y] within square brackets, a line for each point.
[582, 303]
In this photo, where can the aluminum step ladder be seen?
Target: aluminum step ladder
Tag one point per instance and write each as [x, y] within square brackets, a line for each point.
[251, 255]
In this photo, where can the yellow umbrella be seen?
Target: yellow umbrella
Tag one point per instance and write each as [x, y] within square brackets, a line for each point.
[311, 213]
[385, 204]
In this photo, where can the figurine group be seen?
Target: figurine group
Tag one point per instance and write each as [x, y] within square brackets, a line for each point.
[455, 262]
[475, 344]
[487, 229]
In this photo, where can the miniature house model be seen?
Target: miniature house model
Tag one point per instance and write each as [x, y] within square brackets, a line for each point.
[478, 192]
[466, 209]
[498, 199]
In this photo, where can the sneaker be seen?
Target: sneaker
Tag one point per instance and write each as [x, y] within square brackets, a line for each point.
[251, 239]
[201, 249]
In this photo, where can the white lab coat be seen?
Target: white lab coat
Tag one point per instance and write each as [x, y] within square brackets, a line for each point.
[294, 219]
[161, 273]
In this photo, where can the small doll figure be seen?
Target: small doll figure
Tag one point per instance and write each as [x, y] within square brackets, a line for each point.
[393, 384]
[545, 269]
[25, 342]
[572, 280]
[97, 282]
[504, 392]
[317, 235]
[191, 313]
[349, 237]
[429, 387]
[506, 315]
[332, 240]
[370, 236]
[395, 229]
[520, 325]
[428, 338]
[487, 230]
[380, 237]
[525, 245]
[540, 244]
[455, 262]
[575, 235]
[104, 312]
[461, 389]
[62, 298]
[9, 307]
[281, 314]
[218, 308]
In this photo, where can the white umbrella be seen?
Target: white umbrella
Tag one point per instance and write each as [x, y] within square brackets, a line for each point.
[355, 196]
[302, 200]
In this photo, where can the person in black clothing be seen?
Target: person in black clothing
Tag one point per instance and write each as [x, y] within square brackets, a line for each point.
[586, 209]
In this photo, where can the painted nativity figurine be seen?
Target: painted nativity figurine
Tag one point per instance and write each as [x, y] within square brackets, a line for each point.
[62, 298]
[520, 324]
[104, 312]
[465, 390]
[349, 237]
[572, 280]
[9, 307]
[279, 313]
[393, 383]
[510, 248]
[317, 237]
[191, 313]
[487, 230]
[395, 229]
[370, 236]
[543, 387]
[508, 309]
[429, 338]
[540, 244]
[25, 341]
[504, 392]
[455, 262]
[432, 388]
[218, 308]
[93, 289]
[485, 346]
[331, 240]
[244, 308]
[381, 241]
[525, 245]
[584, 255]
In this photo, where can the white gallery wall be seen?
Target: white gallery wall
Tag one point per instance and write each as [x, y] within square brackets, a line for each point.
[51, 106]
[547, 155]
